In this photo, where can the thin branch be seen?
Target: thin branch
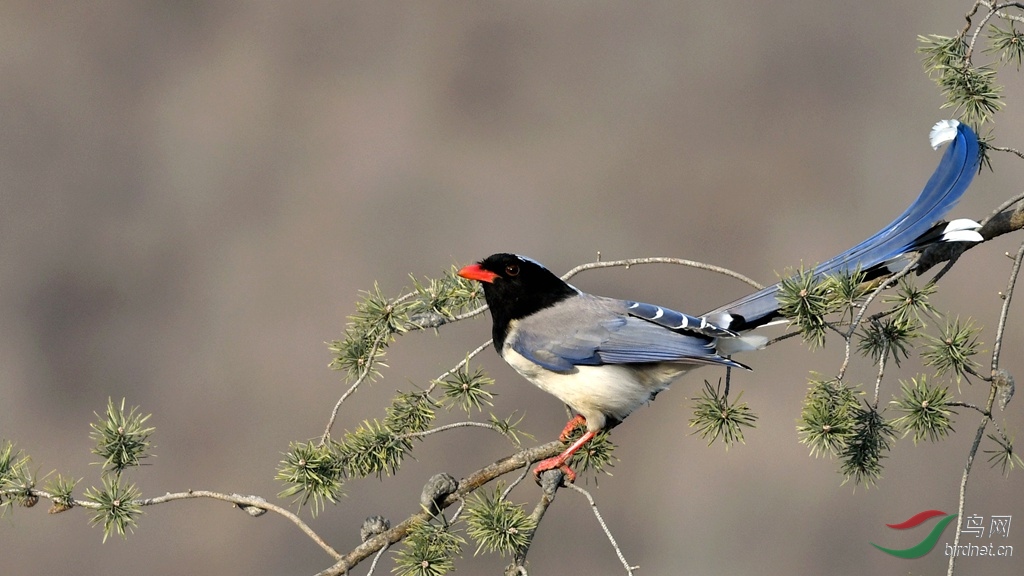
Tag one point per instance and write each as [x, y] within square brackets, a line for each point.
[855, 322]
[466, 486]
[604, 526]
[453, 425]
[661, 260]
[376, 557]
[992, 391]
[460, 365]
[998, 9]
[1007, 149]
[355, 385]
[517, 481]
[244, 501]
[978, 29]
[1001, 327]
[1002, 207]
[236, 499]
[75, 503]
[550, 481]
[881, 372]
[971, 406]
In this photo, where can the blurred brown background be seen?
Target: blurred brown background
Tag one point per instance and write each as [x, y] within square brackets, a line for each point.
[194, 192]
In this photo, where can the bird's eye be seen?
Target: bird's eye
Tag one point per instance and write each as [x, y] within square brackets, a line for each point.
[512, 270]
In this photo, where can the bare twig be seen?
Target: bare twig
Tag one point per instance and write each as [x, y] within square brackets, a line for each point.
[999, 210]
[660, 260]
[1000, 328]
[855, 322]
[881, 372]
[376, 557]
[454, 425]
[1007, 149]
[367, 368]
[239, 500]
[604, 526]
[550, 481]
[460, 365]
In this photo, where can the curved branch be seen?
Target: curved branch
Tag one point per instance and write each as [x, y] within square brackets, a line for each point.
[661, 260]
[244, 502]
[466, 486]
[1004, 220]
[1011, 284]
[607, 532]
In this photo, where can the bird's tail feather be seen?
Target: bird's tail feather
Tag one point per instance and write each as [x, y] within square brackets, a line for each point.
[880, 255]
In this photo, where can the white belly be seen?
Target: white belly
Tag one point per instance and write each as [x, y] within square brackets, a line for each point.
[599, 392]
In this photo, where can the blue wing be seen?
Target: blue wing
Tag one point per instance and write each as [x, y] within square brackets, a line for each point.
[592, 331]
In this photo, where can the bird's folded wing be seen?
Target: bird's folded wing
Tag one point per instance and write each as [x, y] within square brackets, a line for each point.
[594, 332]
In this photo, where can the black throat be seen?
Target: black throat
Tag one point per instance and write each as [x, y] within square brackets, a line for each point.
[514, 297]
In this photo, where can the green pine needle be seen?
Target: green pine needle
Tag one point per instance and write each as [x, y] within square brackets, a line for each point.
[62, 490]
[379, 319]
[467, 390]
[496, 524]
[374, 449]
[911, 303]
[1009, 43]
[429, 550]
[439, 300]
[121, 438]
[942, 52]
[866, 447]
[1004, 456]
[952, 351]
[827, 420]
[357, 353]
[11, 462]
[14, 475]
[118, 506]
[596, 455]
[846, 291]
[376, 314]
[804, 301]
[17, 481]
[970, 90]
[925, 409]
[714, 416]
[315, 473]
[410, 412]
[509, 428]
[889, 337]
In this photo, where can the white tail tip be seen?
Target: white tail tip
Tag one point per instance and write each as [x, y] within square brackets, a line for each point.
[962, 230]
[943, 131]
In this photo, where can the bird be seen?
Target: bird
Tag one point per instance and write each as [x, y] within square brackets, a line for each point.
[605, 357]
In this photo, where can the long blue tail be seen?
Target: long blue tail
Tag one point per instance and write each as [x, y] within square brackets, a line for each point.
[919, 226]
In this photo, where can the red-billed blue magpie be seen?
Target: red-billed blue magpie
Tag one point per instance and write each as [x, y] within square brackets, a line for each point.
[605, 357]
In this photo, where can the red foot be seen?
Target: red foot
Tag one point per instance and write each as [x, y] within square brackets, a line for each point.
[559, 462]
[555, 463]
[577, 420]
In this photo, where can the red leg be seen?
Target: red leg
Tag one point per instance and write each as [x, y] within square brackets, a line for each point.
[568, 430]
[559, 462]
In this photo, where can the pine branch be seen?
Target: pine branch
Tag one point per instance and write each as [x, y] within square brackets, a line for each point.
[990, 402]
[468, 485]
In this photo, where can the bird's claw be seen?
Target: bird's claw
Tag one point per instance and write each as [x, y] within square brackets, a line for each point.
[555, 463]
[570, 427]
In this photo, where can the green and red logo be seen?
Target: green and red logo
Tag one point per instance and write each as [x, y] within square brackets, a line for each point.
[924, 546]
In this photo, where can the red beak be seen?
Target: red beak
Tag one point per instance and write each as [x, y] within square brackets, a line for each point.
[475, 272]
